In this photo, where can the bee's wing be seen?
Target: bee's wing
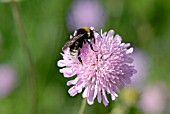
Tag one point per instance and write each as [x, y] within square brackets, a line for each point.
[71, 41]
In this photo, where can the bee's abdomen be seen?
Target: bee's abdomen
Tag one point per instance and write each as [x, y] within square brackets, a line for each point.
[74, 52]
[75, 48]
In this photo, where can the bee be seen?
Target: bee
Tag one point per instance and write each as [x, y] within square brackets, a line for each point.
[82, 36]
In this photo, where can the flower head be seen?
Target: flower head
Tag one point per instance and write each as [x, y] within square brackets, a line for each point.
[102, 70]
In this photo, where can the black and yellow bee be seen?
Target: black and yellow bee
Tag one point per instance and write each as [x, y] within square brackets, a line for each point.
[83, 35]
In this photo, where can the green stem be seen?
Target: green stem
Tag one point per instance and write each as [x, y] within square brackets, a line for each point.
[83, 106]
[22, 37]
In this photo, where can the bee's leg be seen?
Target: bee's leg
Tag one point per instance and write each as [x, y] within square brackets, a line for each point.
[80, 60]
[91, 46]
[79, 57]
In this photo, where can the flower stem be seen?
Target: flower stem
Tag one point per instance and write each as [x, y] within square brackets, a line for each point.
[83, 106]
[22, 37]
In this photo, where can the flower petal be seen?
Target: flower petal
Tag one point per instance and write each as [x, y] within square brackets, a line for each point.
[72, 82]
[67, 72]
[117, 40]
[99, 97]
[90, 99]
[85, 93]
[110, 33]
[105, 100]
[72, 91]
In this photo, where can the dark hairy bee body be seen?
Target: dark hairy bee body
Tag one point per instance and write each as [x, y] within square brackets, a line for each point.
[83, 35]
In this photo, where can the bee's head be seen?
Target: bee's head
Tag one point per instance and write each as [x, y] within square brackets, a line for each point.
[84, 30]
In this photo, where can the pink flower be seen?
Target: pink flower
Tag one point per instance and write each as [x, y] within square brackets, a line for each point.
[86, 13]
[154, 99]
[102, 71]
[142, 63]
[7, 79]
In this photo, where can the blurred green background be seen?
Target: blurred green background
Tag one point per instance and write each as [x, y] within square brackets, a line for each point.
[143, 23]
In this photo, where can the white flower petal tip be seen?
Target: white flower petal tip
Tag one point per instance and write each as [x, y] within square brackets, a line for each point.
[110, 33]
[90, 102]
[130, 50]
[102, 70]
[61, 63]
